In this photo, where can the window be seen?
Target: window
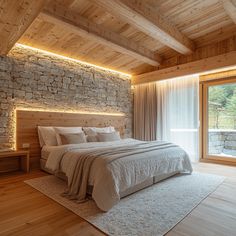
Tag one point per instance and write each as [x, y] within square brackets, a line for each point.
[219, 120]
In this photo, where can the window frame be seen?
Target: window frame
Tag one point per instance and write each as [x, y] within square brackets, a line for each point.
[203, 112]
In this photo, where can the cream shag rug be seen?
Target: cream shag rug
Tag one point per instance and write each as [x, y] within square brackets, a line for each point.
[151, 212]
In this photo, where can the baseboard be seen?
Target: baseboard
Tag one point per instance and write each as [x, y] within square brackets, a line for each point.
[221, 162]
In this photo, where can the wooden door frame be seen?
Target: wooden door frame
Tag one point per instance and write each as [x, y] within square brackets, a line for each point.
[203, 117]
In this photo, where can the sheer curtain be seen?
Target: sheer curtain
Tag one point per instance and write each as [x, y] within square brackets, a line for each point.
[182, 118]
[175, 112]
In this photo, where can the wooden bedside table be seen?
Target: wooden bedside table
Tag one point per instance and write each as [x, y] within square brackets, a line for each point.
[23, 155]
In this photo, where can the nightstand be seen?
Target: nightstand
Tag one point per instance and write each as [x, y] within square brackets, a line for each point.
[22, 155]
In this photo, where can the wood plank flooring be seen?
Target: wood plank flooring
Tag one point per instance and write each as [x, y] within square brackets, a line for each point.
[216, 215]
[25, 211]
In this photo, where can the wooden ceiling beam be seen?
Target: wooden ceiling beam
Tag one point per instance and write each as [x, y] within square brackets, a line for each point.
[195, 67]
[85, 28]
[149, 22]
[15, 17]
[230, 8]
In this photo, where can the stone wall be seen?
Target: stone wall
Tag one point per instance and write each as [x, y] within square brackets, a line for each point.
[222, 142]
[33, 79]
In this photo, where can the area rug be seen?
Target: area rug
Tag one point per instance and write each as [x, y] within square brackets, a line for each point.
[152, 211]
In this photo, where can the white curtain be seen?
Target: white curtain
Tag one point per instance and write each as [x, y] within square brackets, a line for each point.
[177, 113]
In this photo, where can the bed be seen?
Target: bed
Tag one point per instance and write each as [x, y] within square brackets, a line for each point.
[111, 170]
[115, 169]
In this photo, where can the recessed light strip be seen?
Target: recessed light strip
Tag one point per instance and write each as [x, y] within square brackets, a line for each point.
[71, 111]
[57, 110]
[71, 59]
[218, 70]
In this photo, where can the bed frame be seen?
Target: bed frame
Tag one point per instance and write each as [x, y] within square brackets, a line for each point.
[27, 122]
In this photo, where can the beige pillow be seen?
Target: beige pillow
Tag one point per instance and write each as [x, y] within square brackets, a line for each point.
[66, 130]
[92, 131]
[92, 138]
[107, 137]
[47, 136]
[72, 138]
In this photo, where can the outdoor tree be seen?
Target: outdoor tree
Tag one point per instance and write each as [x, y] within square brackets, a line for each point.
[231, 107]
[219, 98]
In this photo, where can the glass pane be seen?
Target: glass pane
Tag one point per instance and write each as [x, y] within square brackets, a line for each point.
[222, 120]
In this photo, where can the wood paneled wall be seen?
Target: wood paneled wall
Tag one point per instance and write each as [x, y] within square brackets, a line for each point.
[27, 122]
[203, 52]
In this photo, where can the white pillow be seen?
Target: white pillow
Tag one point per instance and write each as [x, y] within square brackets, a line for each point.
[47, 136]
[92, 131]
[66, 130]
[108, 137]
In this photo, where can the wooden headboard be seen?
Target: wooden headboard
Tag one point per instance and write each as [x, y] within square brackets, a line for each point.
[28, 121]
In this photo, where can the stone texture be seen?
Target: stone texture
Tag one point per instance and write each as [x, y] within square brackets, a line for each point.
[30, 79]
[222, 142]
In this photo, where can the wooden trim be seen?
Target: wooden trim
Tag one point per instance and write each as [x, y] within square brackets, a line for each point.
[219, 81]
[200, 121]
[204, 121]
[28, 121]
[83, 27]
[230, 8]
[218, 75]
[149, 22]
[221, 158]
[196, 67]
[216, 161]
[205, 85]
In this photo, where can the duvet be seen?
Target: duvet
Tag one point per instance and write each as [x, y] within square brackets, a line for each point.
[113, 167]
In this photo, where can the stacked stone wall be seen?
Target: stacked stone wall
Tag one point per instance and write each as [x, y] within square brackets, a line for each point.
[222, 142]
[36, 80]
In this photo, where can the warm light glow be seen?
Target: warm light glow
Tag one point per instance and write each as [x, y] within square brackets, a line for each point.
[68, 111]
[72, 59]
[14, 134]
[219, 70]
[56, 110]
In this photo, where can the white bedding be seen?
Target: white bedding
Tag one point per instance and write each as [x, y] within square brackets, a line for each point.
[46, 150]
[124, 172]
[53, 153]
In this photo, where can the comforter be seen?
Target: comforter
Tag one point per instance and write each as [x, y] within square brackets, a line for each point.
[113, 167]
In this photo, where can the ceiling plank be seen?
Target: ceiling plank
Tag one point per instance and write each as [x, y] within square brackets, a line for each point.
[230, 8]
[200, 66]
[85, 28]
[15, 17]
[149, 22]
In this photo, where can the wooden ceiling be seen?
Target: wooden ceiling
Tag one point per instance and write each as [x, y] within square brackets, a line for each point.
[132, 36]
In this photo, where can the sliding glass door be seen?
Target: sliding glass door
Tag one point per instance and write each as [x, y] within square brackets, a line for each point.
[219, 120]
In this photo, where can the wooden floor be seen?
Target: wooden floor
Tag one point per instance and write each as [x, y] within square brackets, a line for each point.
[25, 211]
